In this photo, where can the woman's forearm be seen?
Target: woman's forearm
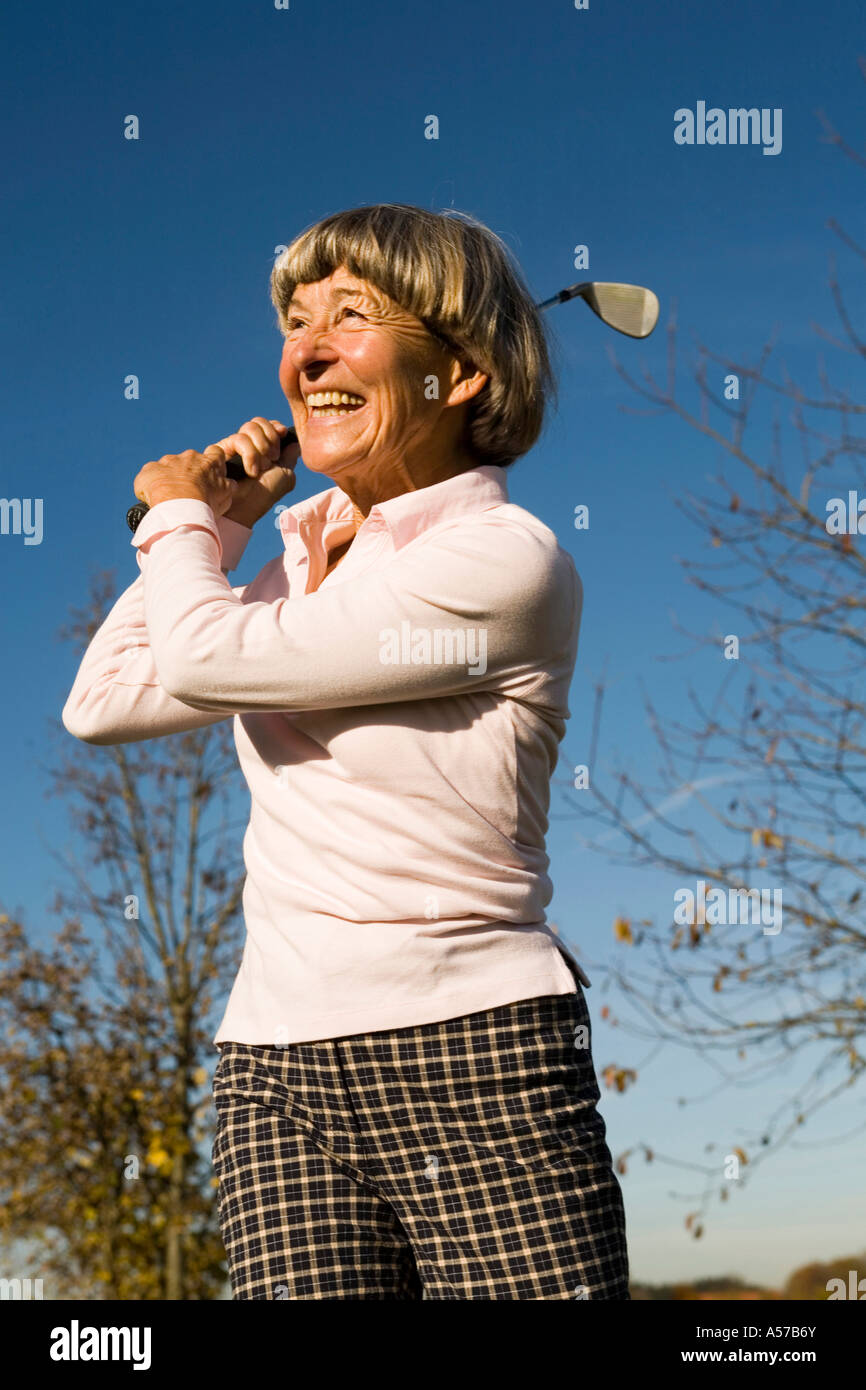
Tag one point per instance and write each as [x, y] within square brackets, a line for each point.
[117, 696]
[498, 605]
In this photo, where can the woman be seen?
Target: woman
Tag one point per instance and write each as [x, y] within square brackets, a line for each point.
[405, 1091]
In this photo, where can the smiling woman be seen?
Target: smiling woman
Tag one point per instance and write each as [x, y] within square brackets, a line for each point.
[448, 274]
[378, 403]
[406, 1099]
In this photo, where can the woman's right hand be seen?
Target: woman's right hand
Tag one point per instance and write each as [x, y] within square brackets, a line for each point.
[269, 464]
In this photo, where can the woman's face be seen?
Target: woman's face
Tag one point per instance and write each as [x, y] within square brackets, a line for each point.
[345, 335]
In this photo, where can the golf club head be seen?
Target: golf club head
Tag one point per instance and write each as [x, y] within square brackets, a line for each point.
[630, 309]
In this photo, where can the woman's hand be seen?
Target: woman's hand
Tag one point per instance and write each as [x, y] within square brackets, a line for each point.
[187, 475]
[268, 464]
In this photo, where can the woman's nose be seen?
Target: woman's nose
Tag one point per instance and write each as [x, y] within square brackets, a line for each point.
[312, 339]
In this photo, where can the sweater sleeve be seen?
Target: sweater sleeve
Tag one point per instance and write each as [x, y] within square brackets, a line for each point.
[482, 605]
[117, 696]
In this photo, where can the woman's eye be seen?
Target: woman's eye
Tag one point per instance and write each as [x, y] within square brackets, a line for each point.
[293, 324]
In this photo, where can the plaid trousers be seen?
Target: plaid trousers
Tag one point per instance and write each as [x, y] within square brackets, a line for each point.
[456, 1160]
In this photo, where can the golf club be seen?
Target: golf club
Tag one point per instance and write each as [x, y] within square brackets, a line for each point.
[630, 309]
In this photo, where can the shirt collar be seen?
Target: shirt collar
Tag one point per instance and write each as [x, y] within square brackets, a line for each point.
[403, 517]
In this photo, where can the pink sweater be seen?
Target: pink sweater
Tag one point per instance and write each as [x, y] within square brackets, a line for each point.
[397, 723]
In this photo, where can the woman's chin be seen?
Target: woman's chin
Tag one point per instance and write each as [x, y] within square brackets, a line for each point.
[325, 461]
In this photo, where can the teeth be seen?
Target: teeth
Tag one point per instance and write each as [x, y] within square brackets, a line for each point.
[320, 398]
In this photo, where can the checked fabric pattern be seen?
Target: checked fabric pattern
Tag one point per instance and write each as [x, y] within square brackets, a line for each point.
[464, 1159]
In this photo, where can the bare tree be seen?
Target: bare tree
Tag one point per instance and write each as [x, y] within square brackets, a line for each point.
[106, 1036]
[764, 781]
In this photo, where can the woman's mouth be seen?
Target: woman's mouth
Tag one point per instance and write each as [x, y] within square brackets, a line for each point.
[323, 405]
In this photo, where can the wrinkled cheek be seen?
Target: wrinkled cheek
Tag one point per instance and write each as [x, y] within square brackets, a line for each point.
[419, 421]
[285, 371]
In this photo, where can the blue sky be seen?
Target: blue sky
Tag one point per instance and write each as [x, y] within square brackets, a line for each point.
[555, 128]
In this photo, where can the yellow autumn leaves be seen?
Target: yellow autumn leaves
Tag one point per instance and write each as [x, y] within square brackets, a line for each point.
[618, 1078]
[768, 838]
[164, 1148]
[158, 1156]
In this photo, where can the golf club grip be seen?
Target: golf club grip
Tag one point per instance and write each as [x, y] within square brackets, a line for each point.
[234, 469]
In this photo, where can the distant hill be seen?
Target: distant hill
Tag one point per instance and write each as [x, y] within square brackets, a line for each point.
[723, 1287]
[808, 1282]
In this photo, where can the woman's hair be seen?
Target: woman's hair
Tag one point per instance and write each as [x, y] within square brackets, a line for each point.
[458, 277]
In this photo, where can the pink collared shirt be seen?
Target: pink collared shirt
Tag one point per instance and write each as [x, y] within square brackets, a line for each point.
[398, 724]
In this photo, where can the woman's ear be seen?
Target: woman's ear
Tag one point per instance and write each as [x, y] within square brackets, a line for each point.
[466, 382]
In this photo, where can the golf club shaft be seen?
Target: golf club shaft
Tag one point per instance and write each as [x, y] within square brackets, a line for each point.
[561, 298]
